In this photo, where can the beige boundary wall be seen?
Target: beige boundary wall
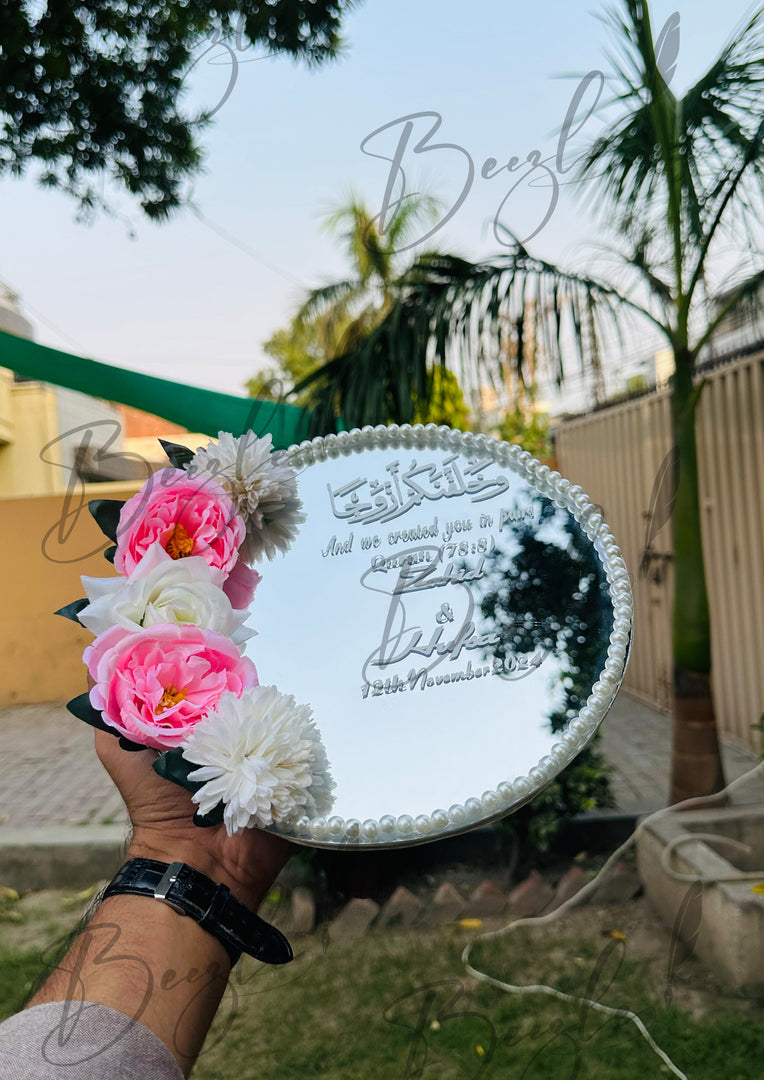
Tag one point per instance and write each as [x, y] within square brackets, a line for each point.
[46, 543]
[615, 455]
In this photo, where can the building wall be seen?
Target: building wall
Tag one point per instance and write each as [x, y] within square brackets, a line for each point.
[83, 420]
[7, 426]
[44, 425]
[25, 468]
[616, 456]
[46, 543]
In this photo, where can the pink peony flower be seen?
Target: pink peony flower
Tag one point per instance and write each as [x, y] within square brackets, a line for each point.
[187, 515]
[153, 686]
[240, 586]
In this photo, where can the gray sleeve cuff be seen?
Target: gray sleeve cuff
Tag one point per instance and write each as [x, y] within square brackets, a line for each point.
[72, 1040]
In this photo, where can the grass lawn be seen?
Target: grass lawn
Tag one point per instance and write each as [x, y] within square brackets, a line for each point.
[399, 1005]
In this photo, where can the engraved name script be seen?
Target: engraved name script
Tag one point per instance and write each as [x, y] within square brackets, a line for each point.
[362, 501]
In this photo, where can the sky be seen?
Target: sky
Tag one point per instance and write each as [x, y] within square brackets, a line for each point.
[194, 299]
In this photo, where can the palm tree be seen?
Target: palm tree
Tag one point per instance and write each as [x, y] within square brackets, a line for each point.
[347, 310]
[337, 316]
[672, 176]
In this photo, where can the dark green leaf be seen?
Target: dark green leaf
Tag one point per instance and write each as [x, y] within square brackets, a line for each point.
[110, 553]
[179, 456]
[171, 765]
[132, 747]
[207, 821]
[71, 611]
[83, 710]
[106, 513]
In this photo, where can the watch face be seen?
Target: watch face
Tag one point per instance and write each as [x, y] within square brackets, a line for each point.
[458, 618]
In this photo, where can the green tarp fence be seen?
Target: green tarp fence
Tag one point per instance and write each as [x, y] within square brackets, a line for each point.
[199, 410]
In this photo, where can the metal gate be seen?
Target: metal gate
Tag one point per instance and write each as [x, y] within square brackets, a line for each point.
[617, 456]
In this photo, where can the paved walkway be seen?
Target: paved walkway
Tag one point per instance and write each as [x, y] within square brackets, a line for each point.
[50, 776]
[49, 772]
[636, 741]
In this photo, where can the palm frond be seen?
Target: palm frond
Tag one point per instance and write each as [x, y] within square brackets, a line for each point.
[676, 152]
[452, 313]
[320, 300]
[747, 292]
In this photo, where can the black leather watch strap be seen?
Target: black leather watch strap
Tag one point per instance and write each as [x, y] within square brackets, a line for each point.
[208, 903]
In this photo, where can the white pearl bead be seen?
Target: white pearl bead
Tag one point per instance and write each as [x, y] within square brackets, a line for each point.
[405, 825]
[456, 814]
[318, 828]
[387, 824]
[352, 828]
[559, 756]
[369, 829]
[423, 824]
[439, 819]
[336, 826]
[490, 801]
[472, 809]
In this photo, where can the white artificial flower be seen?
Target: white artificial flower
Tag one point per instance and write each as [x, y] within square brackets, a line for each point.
[262, 485]
[261, 755]
[164, 590]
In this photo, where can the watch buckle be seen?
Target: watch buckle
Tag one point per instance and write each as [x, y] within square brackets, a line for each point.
[165, 884]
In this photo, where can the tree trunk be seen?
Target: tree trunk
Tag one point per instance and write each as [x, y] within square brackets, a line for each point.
[696, 767]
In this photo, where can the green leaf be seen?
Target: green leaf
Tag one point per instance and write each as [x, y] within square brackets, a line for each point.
[179, 455]
[171, 765]
[83, 710]
[207, 821]
[106, 513]
[71, 611]
[131, 747]
[110, 553]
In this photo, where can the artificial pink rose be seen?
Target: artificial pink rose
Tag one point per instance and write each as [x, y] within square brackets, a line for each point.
[187, 515]
[240, 585]
[153, 686]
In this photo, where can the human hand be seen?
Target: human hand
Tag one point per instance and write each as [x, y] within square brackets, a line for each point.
[161, 814]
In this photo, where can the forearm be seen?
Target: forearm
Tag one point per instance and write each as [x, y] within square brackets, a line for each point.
[139, 956]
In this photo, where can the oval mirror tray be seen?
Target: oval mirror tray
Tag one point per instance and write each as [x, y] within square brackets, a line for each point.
[457, 615]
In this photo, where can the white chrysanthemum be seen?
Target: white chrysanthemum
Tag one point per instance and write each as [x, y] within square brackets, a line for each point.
[262, 485]
[261, 756]
[164, 590]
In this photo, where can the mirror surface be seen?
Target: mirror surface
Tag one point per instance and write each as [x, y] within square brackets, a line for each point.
[445, 621]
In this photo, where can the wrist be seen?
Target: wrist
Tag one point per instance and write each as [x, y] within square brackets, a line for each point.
[162, 848]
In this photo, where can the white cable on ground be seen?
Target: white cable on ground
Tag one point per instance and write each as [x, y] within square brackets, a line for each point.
[582, 894]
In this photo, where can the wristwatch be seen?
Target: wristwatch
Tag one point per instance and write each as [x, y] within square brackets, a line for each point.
[208, 903]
